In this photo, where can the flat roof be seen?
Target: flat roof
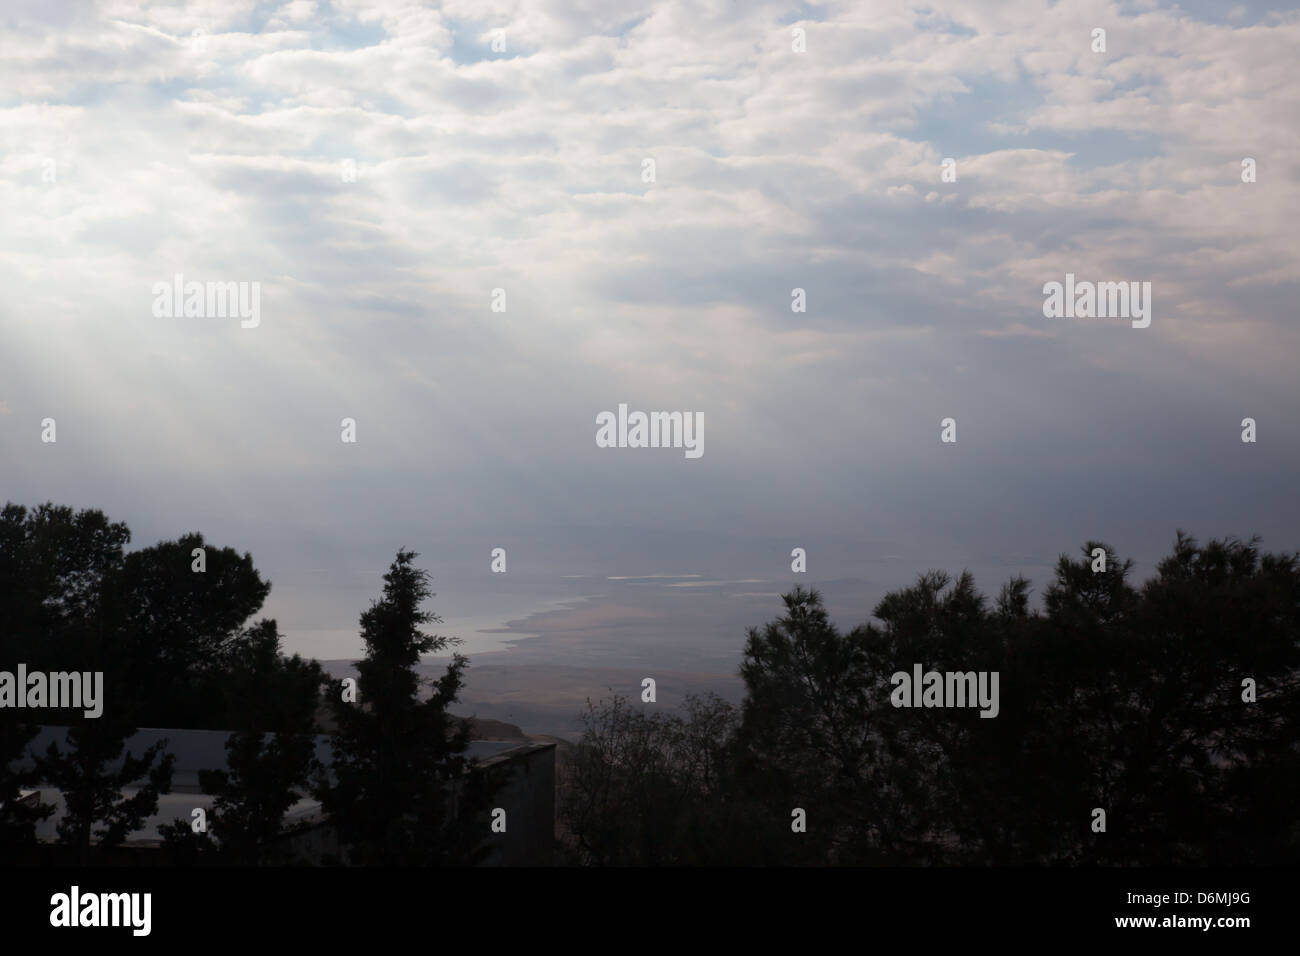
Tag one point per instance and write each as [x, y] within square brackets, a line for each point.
[197, 750]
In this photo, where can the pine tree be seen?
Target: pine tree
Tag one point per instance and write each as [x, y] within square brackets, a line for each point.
[402, 791]
[270, 755]
[93, 782]
[17, 820]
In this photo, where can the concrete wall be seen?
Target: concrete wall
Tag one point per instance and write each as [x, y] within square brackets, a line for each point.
[527, 793]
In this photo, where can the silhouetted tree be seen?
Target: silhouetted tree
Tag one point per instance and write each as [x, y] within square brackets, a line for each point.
[93, 775]
[17, 820]
[60, 574]
[658, 788]
[266, 773]
[183, 628]
[402, 791]
[807, 721]
[1131, 700]
[169, 641]
[56, 569]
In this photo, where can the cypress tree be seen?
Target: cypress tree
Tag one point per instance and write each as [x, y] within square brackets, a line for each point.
[402, 790]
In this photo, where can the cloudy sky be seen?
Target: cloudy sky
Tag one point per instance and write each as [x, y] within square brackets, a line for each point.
[214, 140]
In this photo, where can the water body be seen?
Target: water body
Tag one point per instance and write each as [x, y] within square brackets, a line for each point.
[538, 668]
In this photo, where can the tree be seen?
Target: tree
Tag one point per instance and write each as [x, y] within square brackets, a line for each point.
[660, 788]
[60, 571]
[93, 781]
[181, 628]
[951, 780]
[402, 791]
[1206, 776]
[17, 820]
[622, 801]
[170, 642]
[807, 728]
[56, 567]
[1134, 700]
[270, 757]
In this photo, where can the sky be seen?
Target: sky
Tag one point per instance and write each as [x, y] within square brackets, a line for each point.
[380, 169]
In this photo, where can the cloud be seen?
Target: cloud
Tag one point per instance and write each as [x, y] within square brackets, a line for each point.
[134, 149]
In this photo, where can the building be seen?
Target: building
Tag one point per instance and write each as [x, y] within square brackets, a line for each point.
[523, 772]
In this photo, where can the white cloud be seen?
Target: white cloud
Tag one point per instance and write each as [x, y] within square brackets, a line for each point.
[475, 171]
